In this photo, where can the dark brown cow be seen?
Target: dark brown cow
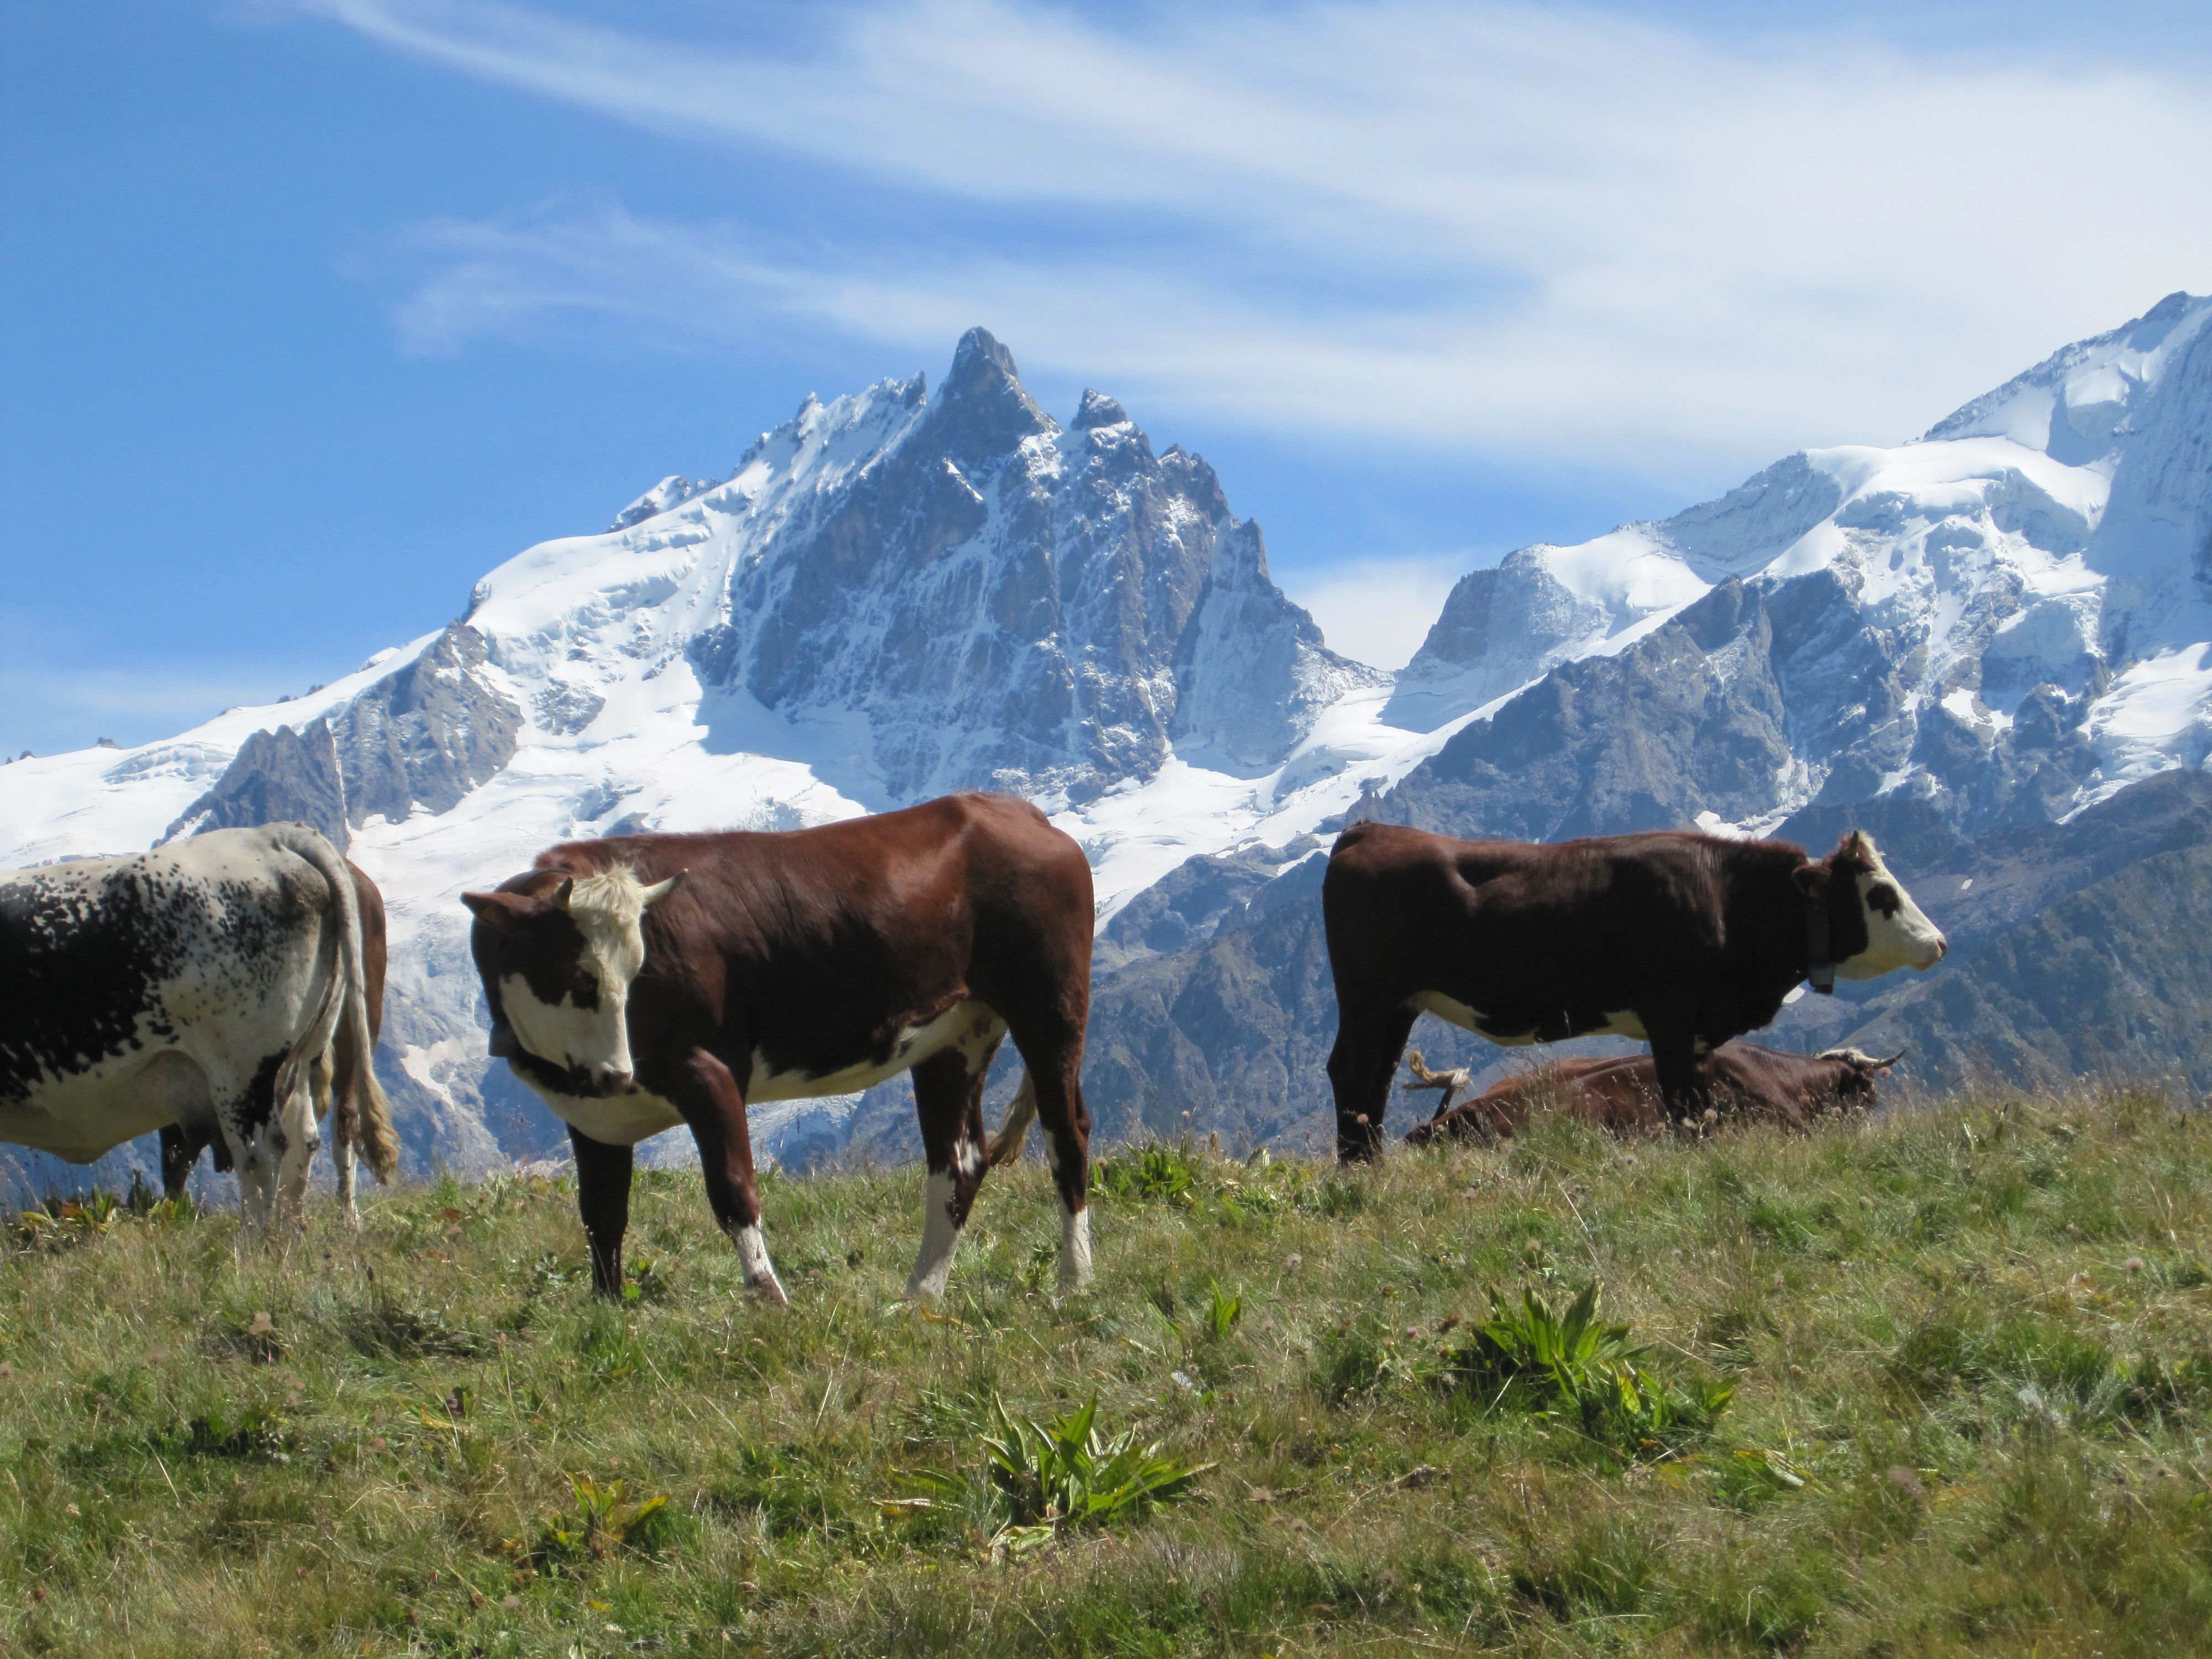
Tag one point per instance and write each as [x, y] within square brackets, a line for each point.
[1683, 939]
[1745, 1082]
[641, 981]
[332, 1078]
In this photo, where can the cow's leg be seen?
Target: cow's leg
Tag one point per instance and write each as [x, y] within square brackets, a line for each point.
[1674, 1059]
[1369, 1042]
[1051, 1045]
[948, 1098]
[341, 1116]
[342, 1159]
[181, 1146]
[714, 1106]
[602, 1175]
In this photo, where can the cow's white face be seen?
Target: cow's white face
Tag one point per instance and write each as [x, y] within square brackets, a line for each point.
[1898, 933]
[565, 991]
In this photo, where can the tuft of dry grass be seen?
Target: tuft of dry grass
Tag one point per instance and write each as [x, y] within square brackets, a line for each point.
[1969, 1351]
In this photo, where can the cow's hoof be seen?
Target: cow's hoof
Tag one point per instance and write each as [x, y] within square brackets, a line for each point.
[770, 1291]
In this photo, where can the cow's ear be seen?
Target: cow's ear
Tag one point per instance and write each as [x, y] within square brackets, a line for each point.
[492, 908]
[1811, 879]
[661, 890]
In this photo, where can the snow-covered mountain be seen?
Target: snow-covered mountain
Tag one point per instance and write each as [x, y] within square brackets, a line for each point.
[906, 591]
[1959, 643]
[2007, 618]
[894, 594]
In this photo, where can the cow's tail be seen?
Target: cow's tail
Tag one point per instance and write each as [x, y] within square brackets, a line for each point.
[1006, 1145]
[357, 1098]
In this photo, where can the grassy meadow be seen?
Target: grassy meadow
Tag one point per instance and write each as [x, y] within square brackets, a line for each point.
[1937, 1383]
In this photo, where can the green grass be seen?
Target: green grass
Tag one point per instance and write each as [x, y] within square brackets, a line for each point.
[1936, 1385]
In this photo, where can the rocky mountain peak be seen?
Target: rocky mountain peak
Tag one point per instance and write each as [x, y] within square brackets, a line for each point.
[1098, 410]
[982, 412]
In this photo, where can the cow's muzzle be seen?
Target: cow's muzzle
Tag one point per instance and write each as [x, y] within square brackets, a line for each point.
[608, 1081]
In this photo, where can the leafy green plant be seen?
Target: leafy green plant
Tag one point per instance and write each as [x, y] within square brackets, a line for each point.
[607, 1346]
[63, 1222]
[605, 1518]
[1265, 1190]
[1573, 1365]
[1223, 1310]
[1158, 1171]
[647, 1280]
[1040, 1478]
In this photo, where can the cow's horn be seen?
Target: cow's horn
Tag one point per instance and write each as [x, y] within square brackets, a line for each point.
[563, 893]
[661, 890]
[1860, 1057]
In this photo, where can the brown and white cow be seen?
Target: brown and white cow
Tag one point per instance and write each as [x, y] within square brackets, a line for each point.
[1746, 1082]
[639, 982]
[334, 1081]
[1684, 940]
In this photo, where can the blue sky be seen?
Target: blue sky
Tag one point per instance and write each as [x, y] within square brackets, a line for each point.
[311, 311]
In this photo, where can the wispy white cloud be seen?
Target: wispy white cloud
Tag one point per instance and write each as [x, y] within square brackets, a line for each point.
[1378, 609]
[1536, 232]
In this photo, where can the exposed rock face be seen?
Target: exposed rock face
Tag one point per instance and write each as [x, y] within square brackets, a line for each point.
[1193, 901]
[1500, 628]
[672, 491]
[1233, 1030]
[2110, 982]
[279, 777]
[1014, 605]
[1689, 720]
[427, 733]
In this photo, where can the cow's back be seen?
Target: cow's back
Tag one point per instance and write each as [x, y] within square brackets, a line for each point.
[1521, 929]
[839, 937]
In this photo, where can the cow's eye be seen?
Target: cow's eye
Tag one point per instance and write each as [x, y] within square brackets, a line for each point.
[1885, 898]
[584, 989]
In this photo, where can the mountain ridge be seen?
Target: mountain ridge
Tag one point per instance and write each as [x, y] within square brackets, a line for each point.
[1987, 633]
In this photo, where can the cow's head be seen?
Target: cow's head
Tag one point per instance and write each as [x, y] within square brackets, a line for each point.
[558, 954]
[1856, 1071]
[1872, 923]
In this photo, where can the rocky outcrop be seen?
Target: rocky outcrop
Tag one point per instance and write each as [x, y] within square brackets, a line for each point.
[282, 776]
[1192, 902]
[1019, 606]
[426, 734]
[2110, 982]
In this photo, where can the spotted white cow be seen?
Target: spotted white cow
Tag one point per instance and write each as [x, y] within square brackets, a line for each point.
[197, 984]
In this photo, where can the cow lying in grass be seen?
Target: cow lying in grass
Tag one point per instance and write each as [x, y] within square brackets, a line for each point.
[1745, 1082]
[334, 1081]
[639, 982]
